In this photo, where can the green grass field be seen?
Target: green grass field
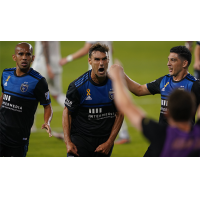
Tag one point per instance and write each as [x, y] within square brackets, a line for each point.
[142, 61]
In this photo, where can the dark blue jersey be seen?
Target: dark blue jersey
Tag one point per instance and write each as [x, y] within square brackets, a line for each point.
[92, 106]
[21, 95]
[165, 85]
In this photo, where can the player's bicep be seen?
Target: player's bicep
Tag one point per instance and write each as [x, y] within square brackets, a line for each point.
[42, 92]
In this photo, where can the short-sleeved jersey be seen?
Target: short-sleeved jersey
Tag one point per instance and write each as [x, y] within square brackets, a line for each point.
[39, 63]
[165, 85]
[91, 105]
[167, 141]
[21, 95]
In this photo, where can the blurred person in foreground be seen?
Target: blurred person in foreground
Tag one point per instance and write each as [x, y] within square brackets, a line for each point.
[123, 134]
[179, 60]
[91, 121]
[22, 89]
[177, 139]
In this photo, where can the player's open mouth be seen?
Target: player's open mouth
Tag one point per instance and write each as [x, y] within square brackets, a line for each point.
[101, 70]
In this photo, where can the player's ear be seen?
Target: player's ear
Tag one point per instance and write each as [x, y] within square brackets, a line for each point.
[33, 58]
[185, 63]
[90, 61]
[14, 57]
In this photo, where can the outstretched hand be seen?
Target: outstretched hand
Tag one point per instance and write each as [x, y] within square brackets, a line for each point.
[114, 69]
[48, 129]
[63, 61]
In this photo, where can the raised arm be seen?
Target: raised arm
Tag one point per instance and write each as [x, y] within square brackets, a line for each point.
[66, 123]
[123, 99]
[81, 52]
[45, 45]
[48, 114]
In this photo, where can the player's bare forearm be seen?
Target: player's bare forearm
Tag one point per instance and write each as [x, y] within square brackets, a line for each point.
[123, 99]
[136, 88]
[66, 123]
[48, 114]
[1, 99]
[83, 51]
[45, 45]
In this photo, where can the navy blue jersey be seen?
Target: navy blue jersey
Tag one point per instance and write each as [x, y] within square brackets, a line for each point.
[21, 95]
[165, 85]
[92, 106]
[167, 141]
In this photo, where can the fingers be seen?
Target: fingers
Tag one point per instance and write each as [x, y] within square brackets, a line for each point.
[48, 129]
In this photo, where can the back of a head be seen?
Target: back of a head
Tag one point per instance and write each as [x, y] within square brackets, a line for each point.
[181, 105]
[98, 47]
[183, 53]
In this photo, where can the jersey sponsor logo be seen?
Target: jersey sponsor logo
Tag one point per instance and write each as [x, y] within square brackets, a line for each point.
[164, 102]
[47, 95]
[181, 88]
[24, 87]
[68, 102]
[6, 97]
[95, 110]
[163, 89]
[111, 95]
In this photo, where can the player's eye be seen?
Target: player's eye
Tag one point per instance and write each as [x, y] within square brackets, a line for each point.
[104, 58]
[97, 59]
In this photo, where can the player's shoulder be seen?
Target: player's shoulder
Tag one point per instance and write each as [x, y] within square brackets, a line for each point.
[9, 69]
[191, 78]
[81, 80]
[35, 74]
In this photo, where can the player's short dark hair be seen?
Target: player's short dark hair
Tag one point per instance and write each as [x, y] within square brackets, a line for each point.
[181, 105]
[183, 53]
[98, 47]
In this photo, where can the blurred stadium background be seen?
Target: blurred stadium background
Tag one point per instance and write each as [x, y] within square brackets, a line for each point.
[143, 62]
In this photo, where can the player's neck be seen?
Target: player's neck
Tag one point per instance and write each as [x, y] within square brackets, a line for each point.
[21, 72]
[180, 75]
[183, 126]
[96, 79]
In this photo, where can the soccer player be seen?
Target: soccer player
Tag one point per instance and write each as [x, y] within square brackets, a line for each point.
[197, 60]
[123, 134]
[90, 119]
[177, 139]
[22, 89]
[47, 57]
[179, 60]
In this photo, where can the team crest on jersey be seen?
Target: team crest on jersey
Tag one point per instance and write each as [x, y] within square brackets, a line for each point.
[24, 87]
[111, 94]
